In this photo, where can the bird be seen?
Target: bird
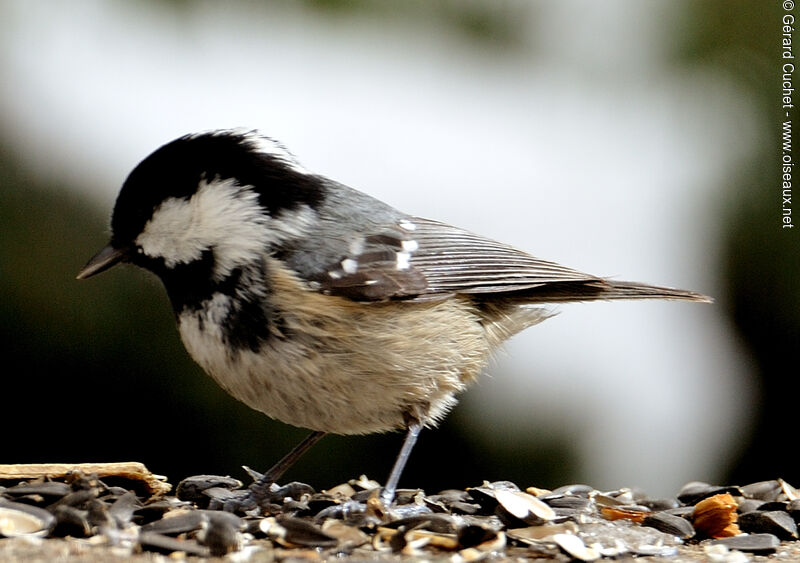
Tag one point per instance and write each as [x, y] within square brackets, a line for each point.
[319, 305]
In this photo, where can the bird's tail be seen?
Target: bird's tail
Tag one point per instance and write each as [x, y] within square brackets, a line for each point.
[604, 289]
[634, 290]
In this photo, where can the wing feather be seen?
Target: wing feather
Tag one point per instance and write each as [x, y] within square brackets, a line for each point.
[457, 261]
[420, 259]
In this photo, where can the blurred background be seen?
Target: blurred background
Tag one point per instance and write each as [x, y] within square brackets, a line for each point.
[632, 139]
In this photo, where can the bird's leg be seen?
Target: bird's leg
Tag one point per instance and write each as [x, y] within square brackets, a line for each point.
[275, 472]
[414, 427]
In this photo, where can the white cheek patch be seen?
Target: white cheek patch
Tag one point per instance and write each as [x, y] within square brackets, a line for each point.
[220, 215]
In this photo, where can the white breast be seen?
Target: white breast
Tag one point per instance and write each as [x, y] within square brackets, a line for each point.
[344, 367]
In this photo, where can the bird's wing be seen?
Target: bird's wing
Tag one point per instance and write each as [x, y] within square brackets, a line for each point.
[420, 259]
[453, 260]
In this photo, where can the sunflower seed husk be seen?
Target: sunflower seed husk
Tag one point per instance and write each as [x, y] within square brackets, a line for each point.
[177, 522]
[789, 491]
[752, 543]
[122, 509]
[364, 484]
[567, 501]
[762, 490]
[526, 507]
[694, 492]
[152, 541]
[220, 532]
[191, 489]
[777, 523]
[750, 504]
[343, 491]
[347, 536]
[542, 533]
[574, 547]
[15, 522]
[439, 523]
[473, 534]
[573, 490]
[45, 489]
[793, 508]
[301, 532]
[659, 504]
[670, 524]
[493, 543]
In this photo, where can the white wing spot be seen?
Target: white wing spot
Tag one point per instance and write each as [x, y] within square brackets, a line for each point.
[407, 225]
[410, 245]
[349, 266]
[403, 261]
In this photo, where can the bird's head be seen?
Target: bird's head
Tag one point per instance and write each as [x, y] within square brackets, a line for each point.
[206, 205]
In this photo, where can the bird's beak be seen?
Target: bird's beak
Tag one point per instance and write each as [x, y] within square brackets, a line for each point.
[102, 261]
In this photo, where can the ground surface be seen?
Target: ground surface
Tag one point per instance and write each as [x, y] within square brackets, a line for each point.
[121, 512]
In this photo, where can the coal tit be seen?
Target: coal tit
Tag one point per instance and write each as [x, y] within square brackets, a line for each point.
[321, 306]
